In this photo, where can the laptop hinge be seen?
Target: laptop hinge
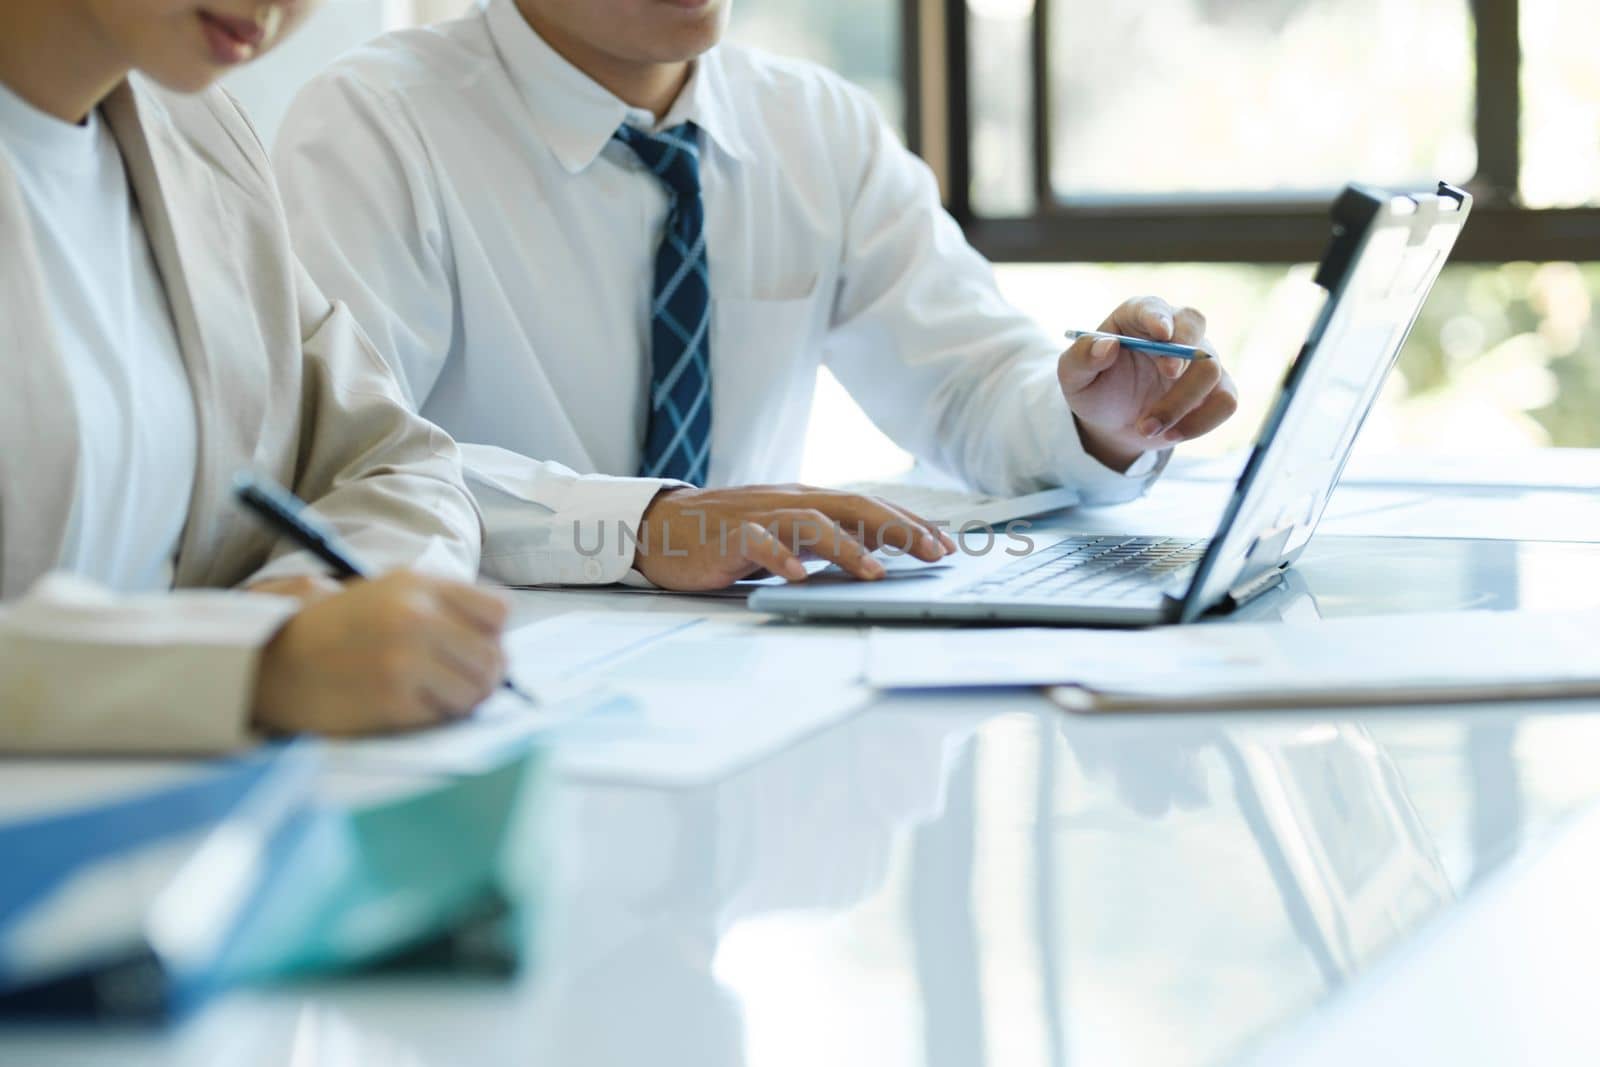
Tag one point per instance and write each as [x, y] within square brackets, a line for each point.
[1262, 566]
[1247, 591]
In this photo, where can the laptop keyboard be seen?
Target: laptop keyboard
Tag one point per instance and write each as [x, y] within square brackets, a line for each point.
[1099, 568]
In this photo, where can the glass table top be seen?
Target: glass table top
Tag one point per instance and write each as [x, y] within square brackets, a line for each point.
[985, 880]
[985, 885]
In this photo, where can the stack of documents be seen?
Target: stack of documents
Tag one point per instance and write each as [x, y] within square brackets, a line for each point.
[1459, 657]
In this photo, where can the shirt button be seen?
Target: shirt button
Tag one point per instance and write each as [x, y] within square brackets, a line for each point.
[592, 569]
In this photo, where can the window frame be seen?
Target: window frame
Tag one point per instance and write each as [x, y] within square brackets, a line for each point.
[1212, 230]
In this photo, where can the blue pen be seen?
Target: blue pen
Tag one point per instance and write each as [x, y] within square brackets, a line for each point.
[1139, 344]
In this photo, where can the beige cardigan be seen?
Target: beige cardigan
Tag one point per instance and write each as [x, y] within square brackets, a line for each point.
[284, 383]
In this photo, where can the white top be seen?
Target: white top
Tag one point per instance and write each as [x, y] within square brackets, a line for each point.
[137, 429]
[459, 188]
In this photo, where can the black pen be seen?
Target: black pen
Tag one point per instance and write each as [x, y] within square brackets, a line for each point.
[287, 514]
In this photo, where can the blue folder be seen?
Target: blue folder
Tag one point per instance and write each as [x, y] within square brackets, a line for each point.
[118, 909]
[141, 909]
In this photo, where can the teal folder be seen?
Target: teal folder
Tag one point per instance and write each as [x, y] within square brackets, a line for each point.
[256, 880]
[426, 878]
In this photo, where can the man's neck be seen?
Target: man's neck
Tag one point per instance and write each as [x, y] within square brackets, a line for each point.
[651, 86]
[51, 55]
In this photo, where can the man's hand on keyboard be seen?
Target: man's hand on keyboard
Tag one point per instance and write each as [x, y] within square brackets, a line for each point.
[1128, 403]
[702, 539]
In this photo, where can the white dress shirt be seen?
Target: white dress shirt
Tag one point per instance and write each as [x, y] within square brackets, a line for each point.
[134, 409]
[459, 188]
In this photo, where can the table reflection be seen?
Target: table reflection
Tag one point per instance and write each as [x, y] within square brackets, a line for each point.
[653, 879]
[1054, 889]
[1323, 861]
[960, 882]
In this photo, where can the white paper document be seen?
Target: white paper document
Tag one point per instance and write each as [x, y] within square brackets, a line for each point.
[1574, 469]
[551, 654]
[1474, 514]
[657, 697]
[1389, 659]
[1547, 495]
[656, 733]
[680, 734]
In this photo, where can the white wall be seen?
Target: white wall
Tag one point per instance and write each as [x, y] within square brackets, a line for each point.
[266, 87]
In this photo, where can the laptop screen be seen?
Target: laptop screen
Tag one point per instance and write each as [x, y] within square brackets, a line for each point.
[1387, 252]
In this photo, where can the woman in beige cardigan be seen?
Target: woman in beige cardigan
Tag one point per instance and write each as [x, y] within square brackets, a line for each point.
[156, 336]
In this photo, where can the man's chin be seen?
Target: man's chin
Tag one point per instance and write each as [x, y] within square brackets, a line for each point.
[680, 52]
[690, 38]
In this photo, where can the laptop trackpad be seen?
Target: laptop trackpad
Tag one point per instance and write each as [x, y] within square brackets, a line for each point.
[897, 568]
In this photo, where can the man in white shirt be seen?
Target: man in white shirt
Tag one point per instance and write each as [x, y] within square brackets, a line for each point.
[588, 233]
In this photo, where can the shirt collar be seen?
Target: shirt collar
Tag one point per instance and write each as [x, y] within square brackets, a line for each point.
[576, 116]
[47, 140]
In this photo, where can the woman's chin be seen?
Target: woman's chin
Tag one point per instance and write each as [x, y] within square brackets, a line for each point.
[193, 77]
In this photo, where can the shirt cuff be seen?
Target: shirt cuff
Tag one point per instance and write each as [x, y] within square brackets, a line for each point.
[1145, 465]
[589, 539]
[635, 580]
[1096, 483]
[83, 669]
[1099, 486]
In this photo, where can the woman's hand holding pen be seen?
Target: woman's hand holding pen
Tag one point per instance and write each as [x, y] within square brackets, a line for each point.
[394, 653]
[308, 589]
[1128, 403]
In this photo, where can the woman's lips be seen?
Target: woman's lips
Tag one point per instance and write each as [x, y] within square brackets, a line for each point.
[232, 40]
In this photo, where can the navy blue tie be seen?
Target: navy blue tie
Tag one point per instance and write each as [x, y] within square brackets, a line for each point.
[677, 440]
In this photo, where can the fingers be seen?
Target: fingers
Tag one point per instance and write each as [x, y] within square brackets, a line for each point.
[439, 700]
[1189, 327]
[444, 657]
[1216, 409]
[452, 670]
[765, 550]
[483, 609]
[771, 527]
[1085, 361]
[404, 692]
[879, 523]
[446, 694]
[307, 589]
[1186, 394]
[469, 653]
[1170, 366]
[1144, 316]
[809, 530]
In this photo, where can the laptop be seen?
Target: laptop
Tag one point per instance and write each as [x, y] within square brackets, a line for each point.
[1386, 251]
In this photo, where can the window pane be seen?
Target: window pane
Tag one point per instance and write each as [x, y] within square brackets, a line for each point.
[1561, 103]
[1001, 92]
[858, 38]
[861, 40]
[1257, 317]
[1502, 358]
[1251, 96]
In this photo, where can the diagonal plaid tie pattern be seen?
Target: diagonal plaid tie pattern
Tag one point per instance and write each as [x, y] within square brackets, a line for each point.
[678, 433]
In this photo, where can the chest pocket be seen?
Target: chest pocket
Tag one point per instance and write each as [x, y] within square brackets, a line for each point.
[764, 356]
